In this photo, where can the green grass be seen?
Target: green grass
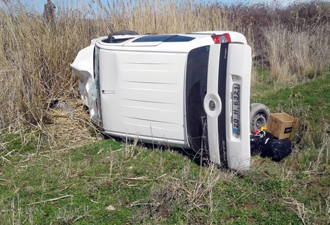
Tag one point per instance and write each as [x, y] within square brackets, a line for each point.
[309, 102]
[164, 187]
[313, 96]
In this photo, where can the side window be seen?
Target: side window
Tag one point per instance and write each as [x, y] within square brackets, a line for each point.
[196, 87]
[153, 38]
[116, 40]
[164, 38]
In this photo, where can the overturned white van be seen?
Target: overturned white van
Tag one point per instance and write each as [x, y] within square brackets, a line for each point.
[184, 90]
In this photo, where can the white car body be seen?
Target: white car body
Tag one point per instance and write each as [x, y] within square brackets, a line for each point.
[183, 90]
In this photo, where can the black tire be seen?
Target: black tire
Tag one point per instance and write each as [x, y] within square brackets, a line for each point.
[259, 116]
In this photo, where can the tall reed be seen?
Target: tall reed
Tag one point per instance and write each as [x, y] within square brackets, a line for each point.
[35, 56]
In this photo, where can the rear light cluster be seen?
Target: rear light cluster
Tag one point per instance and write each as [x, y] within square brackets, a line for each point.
[221, 39]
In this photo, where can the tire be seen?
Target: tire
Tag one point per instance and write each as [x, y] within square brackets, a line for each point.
[259, 116]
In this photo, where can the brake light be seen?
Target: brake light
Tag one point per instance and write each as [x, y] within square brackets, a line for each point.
[221, 39]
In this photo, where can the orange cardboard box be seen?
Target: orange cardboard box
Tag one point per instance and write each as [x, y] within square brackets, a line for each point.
[280, 125]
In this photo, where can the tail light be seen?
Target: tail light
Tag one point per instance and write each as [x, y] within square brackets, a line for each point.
[221, 39]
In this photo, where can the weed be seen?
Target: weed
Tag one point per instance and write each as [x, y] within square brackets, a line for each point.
[288, 42]
[54, 169]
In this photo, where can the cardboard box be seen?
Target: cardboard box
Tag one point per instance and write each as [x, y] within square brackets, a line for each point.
[280, 125]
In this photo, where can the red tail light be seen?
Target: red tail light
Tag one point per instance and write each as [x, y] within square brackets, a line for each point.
[221, 39]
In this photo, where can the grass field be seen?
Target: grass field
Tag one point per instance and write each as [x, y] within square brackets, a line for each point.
[43, 186]
[35, 55]
[55, 168]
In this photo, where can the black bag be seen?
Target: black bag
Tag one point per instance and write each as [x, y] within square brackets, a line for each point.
[258, 141]
[267, 146]
[276, 149]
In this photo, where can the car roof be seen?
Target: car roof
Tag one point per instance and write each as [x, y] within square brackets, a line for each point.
[165, 42]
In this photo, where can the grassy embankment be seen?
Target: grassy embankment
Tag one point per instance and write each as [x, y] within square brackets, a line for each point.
[45, 178]
[155, 186]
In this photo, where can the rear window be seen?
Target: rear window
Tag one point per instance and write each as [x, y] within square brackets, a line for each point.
[196, 88]
[164, 38]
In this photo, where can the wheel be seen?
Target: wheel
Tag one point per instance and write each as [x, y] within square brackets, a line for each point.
[259, 115]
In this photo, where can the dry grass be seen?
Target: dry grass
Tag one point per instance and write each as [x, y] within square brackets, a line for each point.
[145, 186]
[35, 56]
[296, 55]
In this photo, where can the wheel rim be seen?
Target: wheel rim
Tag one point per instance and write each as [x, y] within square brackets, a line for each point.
[259, 121]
